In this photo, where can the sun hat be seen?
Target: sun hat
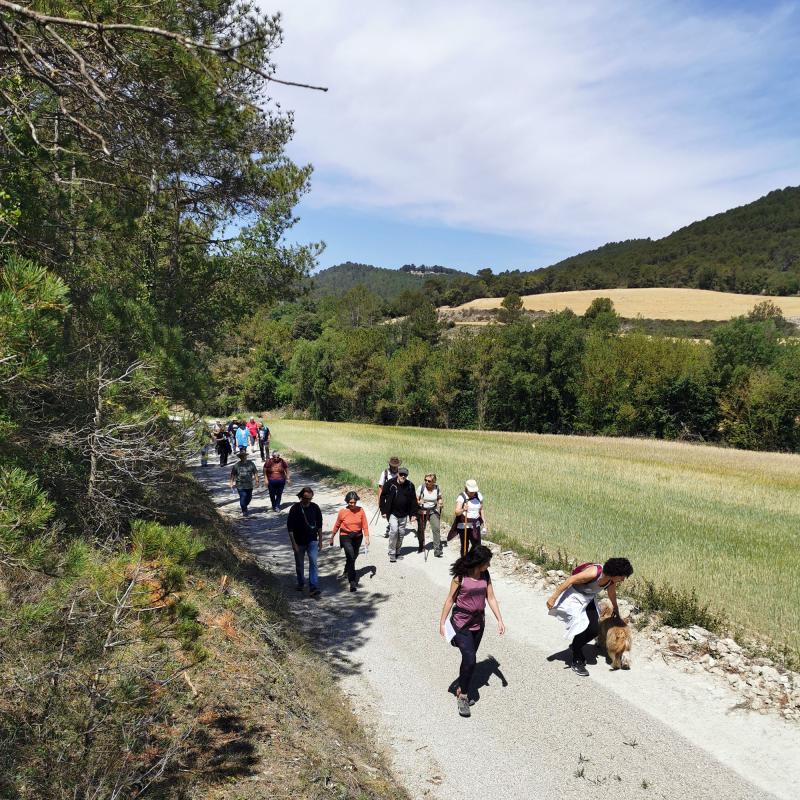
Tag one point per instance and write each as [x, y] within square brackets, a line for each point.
[403, 471]
[471, 485]
[242, 451]
[394, 461]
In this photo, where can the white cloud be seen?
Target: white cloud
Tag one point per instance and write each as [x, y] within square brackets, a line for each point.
[577, 123]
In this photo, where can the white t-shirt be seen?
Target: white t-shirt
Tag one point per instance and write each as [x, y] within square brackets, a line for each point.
[473, 505]
[428, 499]
[386, 475]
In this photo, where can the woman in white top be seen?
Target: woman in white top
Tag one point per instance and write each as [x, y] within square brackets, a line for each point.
[470, 520]
[430, 501]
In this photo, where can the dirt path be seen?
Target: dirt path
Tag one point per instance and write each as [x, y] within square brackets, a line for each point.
[537, 730]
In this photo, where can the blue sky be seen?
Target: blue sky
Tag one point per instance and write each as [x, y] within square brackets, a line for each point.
[513, 134]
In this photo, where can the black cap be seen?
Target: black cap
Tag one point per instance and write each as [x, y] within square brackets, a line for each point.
[403, 471]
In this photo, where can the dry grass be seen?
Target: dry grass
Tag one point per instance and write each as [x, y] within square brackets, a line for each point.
[720, 521]
[689, 304]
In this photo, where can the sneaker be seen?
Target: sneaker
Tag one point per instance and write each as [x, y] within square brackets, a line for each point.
[392, 559]
[275, 508]
[244, 512]
[579, 668]
[463, 706]
[437, 553]
[314, 593]
[420, 549]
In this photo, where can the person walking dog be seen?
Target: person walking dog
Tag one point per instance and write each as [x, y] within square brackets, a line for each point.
[574, 602]
[470, 590]
[398, 502]
[431, 501]
[305, 534]
[243, 475]
[351, 525]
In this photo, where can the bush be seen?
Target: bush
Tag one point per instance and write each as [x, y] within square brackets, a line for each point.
[178, 543]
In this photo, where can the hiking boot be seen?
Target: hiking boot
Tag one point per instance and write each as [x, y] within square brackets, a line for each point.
[315, 593]
[352, 586]
[579, 668]
[463, 706]
[392, 559]
[437, 553]
[420, 549]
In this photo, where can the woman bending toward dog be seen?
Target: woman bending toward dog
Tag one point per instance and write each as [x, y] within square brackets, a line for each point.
[470, 590]
[574, 603]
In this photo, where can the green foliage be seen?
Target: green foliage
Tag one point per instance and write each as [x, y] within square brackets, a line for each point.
[677, 608]
[511, 308]
[177, 544]
[25, 515]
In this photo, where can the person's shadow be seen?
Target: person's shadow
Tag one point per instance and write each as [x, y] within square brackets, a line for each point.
[566, 656]
[480, 678]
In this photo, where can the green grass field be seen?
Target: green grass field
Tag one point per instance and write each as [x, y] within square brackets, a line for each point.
[723, 522]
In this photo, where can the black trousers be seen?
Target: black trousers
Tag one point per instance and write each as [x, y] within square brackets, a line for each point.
[586, 636]
[351, 544]
[468, 643]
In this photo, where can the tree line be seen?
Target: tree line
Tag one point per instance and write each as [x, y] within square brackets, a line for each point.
[342, 359]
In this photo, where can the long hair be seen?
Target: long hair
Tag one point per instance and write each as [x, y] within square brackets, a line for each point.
[477, 556]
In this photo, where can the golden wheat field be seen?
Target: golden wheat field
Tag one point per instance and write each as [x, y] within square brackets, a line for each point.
[686, 304]
[723, 522]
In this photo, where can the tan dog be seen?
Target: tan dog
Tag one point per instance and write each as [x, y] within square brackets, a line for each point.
[615, 637]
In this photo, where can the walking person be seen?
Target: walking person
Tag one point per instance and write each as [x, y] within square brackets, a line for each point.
[431, 501]
[223, 446]
[276, 474]
[305, 533]
[351, 525]
[398, 502]
[243, 476]
[388, 474]
[263, 440]
[252, 433]
[242, 436]
[470, 590]
[470, 520]
[574, 602]
[233, 426]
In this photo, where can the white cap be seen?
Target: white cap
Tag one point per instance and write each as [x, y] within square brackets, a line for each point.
[471, 485]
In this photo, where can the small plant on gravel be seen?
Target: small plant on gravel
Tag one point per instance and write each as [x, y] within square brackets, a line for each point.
[582, 759]
[678, 609]
[580, 772]
[645, 784]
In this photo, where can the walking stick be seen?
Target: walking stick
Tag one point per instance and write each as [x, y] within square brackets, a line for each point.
[422, 521]
[465, 539]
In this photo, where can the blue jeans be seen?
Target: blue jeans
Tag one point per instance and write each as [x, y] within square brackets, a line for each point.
[276, 492]
[245, 496]
[311, 549]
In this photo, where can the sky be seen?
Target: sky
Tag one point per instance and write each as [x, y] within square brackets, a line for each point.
[512, 134]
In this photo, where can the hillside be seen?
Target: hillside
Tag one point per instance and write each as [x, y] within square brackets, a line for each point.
[654, 303]
[753, 248]
[388, 283]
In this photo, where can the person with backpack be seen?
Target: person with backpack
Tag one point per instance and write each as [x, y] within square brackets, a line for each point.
[470, 590]
[574, 603]
[470, 521]
[221, 443]
[430, 500]
[305, 533]
[263, 440]
[243, 475]
[388, 474]
[398, 502]
[242, 436]
[276, 475]
[351, 525]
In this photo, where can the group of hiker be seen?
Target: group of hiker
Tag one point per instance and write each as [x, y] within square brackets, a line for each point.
[463, 617]
[244, 475]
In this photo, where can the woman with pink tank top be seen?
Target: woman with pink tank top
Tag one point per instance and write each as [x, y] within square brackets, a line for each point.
[470, 590]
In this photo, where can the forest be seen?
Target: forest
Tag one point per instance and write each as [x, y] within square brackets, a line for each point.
[754, 249]
[345, 359]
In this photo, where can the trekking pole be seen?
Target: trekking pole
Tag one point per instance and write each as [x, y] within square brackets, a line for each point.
[464, 539]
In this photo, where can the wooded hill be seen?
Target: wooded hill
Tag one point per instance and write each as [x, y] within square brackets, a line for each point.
[386, 283]
[753, 249]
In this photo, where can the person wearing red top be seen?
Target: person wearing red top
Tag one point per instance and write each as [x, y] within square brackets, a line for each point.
[276, 474]
[252, 430]
[351, 525]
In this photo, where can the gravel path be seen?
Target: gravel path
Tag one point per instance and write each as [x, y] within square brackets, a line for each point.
[537, 730]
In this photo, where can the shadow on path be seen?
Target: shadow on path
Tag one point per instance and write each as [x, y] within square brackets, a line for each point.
[338, 620]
